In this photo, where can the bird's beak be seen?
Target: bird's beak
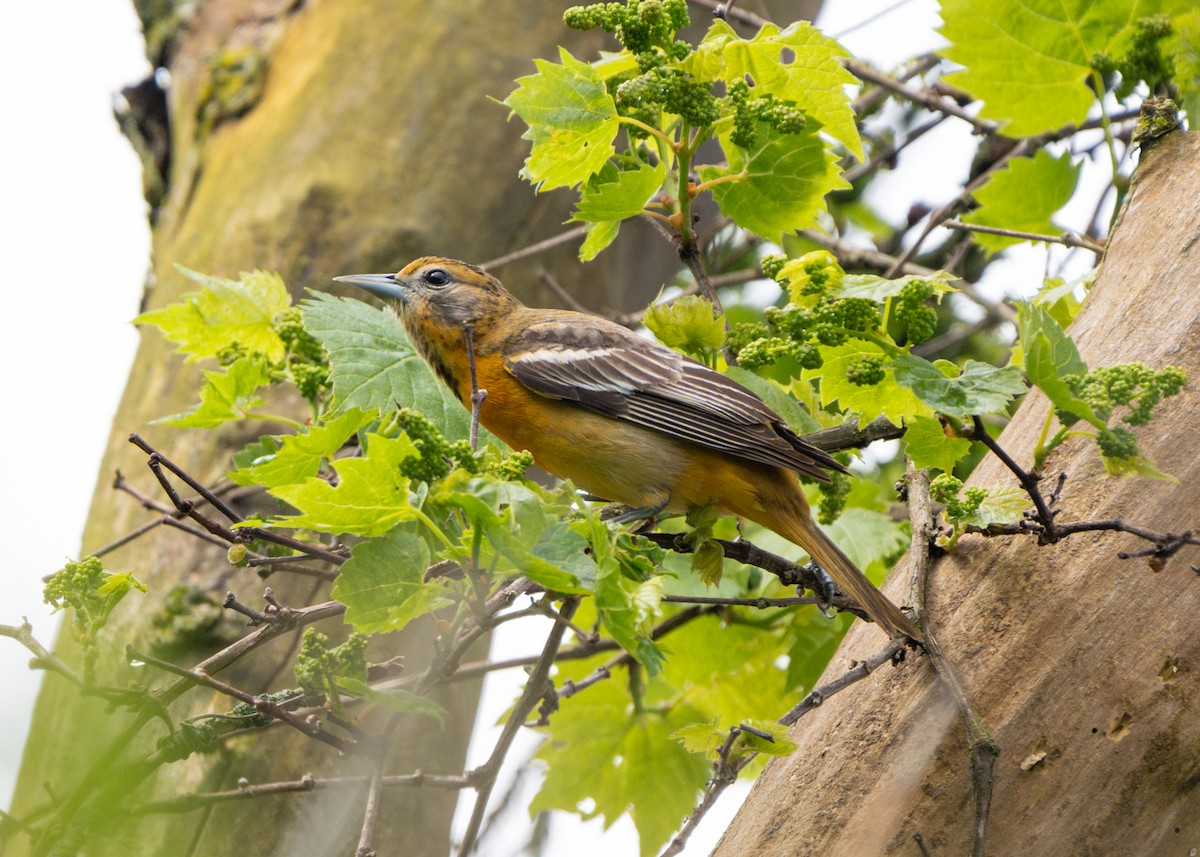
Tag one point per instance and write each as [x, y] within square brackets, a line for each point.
[380, 285]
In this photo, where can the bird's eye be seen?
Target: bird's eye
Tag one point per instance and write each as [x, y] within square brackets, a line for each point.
[436, 277]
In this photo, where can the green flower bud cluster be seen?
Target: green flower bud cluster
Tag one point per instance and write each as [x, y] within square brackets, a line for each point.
[91, 592]
[512, 467]
[1117, 442]
[771, 266]
[318, 665]
[865, 371]
[1134, 386]
[437, 456]
[946, 489]
[307, 362]
[671, 89]
[639, 25]
[784, 116]
[833, 497]
[1146, 60]
[909, 309]
[818, 274]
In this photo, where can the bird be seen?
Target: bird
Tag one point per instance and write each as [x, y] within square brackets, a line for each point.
[621, 416]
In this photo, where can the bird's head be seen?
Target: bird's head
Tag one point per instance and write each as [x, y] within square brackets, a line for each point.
[434, 292]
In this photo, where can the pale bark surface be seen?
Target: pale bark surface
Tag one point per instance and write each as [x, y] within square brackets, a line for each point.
[372, 142]
[1066, 650]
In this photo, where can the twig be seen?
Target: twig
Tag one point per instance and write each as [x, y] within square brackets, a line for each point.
[1067, 239]
[760, 603]
[43, 658]
[477, 395]
[724, 778]
[1029, 482]
[157, 461]
[371, 811]
[982, 747]
[308, 726]
[307, 783]
[562, 294]
[485, 775]
[533, 249]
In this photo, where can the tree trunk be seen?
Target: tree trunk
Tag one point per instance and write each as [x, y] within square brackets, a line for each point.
[371, 142]
[1083, 665]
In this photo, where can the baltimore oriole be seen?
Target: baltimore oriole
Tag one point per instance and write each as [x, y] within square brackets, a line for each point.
[624, 418]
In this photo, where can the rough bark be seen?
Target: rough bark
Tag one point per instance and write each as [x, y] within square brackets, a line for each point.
[1066, 650]
[372, 142]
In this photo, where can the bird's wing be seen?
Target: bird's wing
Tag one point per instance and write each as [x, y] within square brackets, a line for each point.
[610, 370]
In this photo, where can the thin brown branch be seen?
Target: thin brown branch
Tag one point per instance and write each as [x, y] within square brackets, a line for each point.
[485, 775]
[534, 249]
[981, 746]
[307, 726]
[477, 395]
[43, 658]
[1029, 481]
[1067, 239]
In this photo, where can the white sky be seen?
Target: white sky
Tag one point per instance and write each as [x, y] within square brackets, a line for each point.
[76, 247]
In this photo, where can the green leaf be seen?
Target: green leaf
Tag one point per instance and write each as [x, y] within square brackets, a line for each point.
[393, 699]
[1050, 354]
[222, 313]
[273, 462]
[925, 442]
[706, 738]
[1000, 506]
[614, 194]
[690, 325]
[782, 182]
[1023, 196]
[374, 367]
[572, 121]
[599, 236]
[980, 388]
[779, 744]
[1029, 60]
[626, 607]
[879, 289]
[872, 540]
[868, 401]
[515, 523]
[799, 64]
[600, 753]
[383, 583]
[1139, 465]
[1184, 47]
[225, 396]
[779, 400]
[370, 498]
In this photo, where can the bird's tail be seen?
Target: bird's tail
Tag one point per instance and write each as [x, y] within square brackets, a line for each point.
[789, 516]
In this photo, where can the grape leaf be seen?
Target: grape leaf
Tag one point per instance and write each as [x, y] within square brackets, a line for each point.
[225, 397]
[222, 313]
[294, 458]
[868, 401]
[621, 760]
[1000, 506]
[1023, 195]
[515, 523]
[370, 498]
[925, 442]
[599, 235]
[797, 418]
[383, 583]
[782, 181]
[1029, 61]
[799, 64]
[373, 366]
[878, 289]
[979, 388]
[689, 325]
[1049, 355]
[572, 121]
[614, 194]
